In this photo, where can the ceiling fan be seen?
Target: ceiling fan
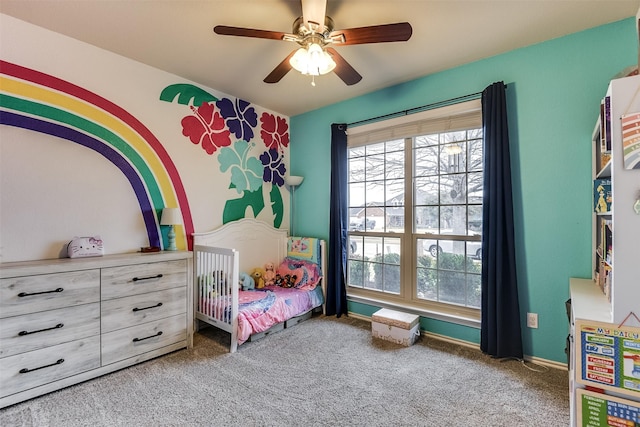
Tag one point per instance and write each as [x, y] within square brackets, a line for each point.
[314, 32]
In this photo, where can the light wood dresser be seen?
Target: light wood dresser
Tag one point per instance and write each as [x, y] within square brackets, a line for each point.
[64, 321]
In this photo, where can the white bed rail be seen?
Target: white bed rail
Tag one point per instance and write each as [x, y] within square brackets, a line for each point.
[216, 272]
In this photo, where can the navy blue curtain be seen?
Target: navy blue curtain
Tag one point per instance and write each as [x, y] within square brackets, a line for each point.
[336, 303]
[500, 334]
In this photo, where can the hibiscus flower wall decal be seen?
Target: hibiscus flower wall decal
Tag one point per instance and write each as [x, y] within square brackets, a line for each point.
[274, 169]
[239, 117]
[275, 131]
[246, 172]
[207, 128]
[256, 175]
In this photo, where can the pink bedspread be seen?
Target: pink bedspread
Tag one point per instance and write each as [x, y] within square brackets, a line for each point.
[261, 309]
[263, 313]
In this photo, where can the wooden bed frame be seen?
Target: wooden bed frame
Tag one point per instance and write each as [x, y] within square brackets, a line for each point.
[236, 247]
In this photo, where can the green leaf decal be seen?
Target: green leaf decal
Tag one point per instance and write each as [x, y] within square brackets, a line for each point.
[277, 206]
[235, 209]
[187, 94]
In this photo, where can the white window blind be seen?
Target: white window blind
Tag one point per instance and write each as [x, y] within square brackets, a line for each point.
[464, 115]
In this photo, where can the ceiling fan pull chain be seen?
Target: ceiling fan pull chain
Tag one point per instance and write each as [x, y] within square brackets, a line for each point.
[313, 80]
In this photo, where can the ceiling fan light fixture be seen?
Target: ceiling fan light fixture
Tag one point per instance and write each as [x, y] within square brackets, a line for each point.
[314, 33]
[312, 60]
[452, 149]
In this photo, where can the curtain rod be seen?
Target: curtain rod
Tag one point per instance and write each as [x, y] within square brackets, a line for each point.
[421, 108]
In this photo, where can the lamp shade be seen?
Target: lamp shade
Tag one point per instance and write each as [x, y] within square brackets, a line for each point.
[312, 60]
[293, 180]
[171, 216]
[452, 149]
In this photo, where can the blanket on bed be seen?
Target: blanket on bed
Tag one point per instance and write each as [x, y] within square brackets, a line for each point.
[258, 310]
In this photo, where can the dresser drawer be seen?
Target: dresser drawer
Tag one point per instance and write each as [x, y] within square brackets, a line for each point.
[118, 282]
[35, 368]
[19, 334]
[129, 342]
[30, 294]
[120, 313]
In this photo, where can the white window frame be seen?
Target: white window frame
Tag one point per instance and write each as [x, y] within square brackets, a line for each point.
[464, 115]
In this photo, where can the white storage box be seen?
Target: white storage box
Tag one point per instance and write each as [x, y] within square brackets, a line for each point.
[395, 326]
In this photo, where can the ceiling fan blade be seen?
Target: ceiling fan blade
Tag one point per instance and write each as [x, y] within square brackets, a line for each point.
[343, 69]
[248, 32]
[280, 71]
[314, 11]
[398, 32]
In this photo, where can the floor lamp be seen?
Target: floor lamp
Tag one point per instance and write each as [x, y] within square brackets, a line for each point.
[292, 182]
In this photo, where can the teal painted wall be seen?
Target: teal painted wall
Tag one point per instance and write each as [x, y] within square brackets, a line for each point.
[554, 91]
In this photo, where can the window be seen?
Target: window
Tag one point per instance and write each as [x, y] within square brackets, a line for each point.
[415, 211]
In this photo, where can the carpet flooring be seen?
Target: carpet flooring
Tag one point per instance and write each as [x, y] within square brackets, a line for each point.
[322, 372]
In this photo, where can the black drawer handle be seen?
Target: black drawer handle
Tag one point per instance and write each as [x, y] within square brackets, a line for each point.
[147, 308]
[157, 276]
[25, 294]
[23, 333]
[146, 338]
[27, 370]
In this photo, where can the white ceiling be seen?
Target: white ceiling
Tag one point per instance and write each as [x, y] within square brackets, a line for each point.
[177, 36]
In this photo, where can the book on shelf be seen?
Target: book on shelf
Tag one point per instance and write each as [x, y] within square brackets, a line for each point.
[603, 277]
[601, 131]
[607, 123]
[607, 241]
[604, 247]
[602, 195]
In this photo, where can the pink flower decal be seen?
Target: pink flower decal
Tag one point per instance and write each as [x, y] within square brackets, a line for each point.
[207, 128]
[274, 131]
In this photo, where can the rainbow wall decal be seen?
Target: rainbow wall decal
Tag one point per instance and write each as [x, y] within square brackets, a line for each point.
[36, 101]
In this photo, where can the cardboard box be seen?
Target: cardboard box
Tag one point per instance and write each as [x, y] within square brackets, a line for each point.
[395, 326]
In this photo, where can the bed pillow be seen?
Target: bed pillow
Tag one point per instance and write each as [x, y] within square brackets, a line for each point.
[307, 273]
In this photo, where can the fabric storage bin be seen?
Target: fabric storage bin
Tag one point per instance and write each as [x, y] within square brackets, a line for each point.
[395, 326]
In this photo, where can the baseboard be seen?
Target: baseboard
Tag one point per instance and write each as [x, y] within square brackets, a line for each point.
[545, 362]
[359, 316]
[530, 359]
[450, 340]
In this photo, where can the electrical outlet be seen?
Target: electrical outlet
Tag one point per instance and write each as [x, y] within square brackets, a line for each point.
[532, 320]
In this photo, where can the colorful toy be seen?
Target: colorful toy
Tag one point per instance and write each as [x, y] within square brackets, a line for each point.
[278, 281]
[289, 280]
[258, 277]
[246, 282]
[292, 281]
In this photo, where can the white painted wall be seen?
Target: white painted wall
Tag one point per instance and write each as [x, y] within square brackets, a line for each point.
[52, 189]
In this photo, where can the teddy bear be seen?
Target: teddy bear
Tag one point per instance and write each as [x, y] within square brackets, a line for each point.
[269, 275]
[258, 276]
[246, 282]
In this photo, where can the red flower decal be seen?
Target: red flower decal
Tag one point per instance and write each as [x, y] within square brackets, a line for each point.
[274, 131]
[206, 127]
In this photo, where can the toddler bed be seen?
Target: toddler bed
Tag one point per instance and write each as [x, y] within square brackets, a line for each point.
[220, 256]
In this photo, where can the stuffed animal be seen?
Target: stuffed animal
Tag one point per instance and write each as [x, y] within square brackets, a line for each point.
[246, 282]
[292, 281]
[289, 281]
[258, 277]
[278, 280]
[269, 274]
